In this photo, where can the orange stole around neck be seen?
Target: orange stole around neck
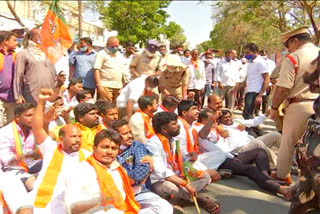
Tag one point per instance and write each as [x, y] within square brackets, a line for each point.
[109, 189]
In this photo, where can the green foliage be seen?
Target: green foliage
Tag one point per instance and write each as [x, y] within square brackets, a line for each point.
[204, 46]
[174, 33]
[135, 21]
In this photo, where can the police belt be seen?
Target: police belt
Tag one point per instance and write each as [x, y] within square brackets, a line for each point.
[299, 100]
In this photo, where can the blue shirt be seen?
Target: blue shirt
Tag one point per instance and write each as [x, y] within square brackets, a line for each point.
[130, 161]
[84, 67]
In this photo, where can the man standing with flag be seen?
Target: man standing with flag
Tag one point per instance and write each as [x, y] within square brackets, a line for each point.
[35, 65]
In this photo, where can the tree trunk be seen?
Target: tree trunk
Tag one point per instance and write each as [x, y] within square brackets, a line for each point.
[309, 10]
[13, 12]
[80, 19]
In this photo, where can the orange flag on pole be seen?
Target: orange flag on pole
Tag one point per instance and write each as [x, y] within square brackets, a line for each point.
[55, 35]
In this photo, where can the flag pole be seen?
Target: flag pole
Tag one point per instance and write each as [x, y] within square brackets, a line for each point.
[194, 199]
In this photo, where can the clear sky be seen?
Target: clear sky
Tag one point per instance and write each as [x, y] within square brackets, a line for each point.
[194, 18]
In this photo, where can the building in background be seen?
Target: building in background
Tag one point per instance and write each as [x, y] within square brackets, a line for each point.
[32, 14]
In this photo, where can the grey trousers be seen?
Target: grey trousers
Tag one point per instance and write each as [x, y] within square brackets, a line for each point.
[166, 189]
[229, 100]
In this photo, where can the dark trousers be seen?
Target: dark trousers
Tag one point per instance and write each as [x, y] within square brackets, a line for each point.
[249, 106]
[241, 165]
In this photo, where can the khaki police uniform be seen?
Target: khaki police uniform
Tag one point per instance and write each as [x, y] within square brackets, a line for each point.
[173, 80]
[144, 64]
[299, 101]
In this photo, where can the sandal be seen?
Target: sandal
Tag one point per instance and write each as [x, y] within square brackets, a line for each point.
[208, 205]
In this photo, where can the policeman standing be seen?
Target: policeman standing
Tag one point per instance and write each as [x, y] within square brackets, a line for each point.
[296, 94]
[174, 79]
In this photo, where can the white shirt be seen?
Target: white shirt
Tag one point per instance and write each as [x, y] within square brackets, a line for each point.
[161, 168]
[243, 72]
[136, 123]
[67, 101]
[197, 79]
[227, 73]
[254, 74]
[56, 205]
[14, 192]
[82, 185]
[236, 137]
[132, 91]
[63, 65]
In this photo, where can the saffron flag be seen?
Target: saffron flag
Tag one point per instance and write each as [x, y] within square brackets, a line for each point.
[55, 36]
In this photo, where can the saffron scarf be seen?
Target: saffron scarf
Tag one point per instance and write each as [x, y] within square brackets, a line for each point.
[49, 180]
[19, 147]
[4, 204]
[88, 135]
[190, 147]
[175, 160]
[109, 189]
[149, 132]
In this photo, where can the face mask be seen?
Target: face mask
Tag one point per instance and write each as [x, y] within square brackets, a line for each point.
[149, 54]
[90, 101]
[265, 57]
[163, 53]
[113, 50]
[180, 52]
[228, 59]
[249, 57]
[83, 49]
[20, 41]
[38, 41]
[123, 147]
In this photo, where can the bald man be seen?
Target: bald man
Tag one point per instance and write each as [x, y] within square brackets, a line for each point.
[58, 160]
[109, 70]
[215, 102]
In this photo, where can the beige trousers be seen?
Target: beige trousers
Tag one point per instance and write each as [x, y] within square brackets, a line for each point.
[294, 125]
[110, 94]
[265, 142]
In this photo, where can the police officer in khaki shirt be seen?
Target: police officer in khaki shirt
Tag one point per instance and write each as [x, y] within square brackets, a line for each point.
[296, 94]
[174, 79]
[147, 62]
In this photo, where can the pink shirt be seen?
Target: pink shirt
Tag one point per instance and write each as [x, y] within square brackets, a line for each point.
[7, 145]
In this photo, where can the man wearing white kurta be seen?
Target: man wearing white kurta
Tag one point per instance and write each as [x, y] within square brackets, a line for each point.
[45, 199]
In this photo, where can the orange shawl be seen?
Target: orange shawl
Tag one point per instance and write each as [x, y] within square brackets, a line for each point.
[109, 189]
[149, 132]
[190, 147]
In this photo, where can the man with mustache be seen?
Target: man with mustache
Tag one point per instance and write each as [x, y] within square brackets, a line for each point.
[58, 159]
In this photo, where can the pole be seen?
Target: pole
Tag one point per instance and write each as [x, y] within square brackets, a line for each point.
[80, 18]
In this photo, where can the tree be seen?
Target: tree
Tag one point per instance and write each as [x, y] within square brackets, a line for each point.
[262, 22]
[175, 34]
[204, 46]
[135, 21]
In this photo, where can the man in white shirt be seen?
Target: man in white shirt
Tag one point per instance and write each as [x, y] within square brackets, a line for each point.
[140, 122]
[239, 140]
[69, 95]
[128, 98]
[227, 77]
[58, 159]
[100, 184]
[257, 80]
[165, 178]
[128, 55]
[109, 70]
[197, 77]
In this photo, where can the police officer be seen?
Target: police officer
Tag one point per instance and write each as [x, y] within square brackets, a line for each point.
[174, 79]
[147, 62]
[296, 94]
